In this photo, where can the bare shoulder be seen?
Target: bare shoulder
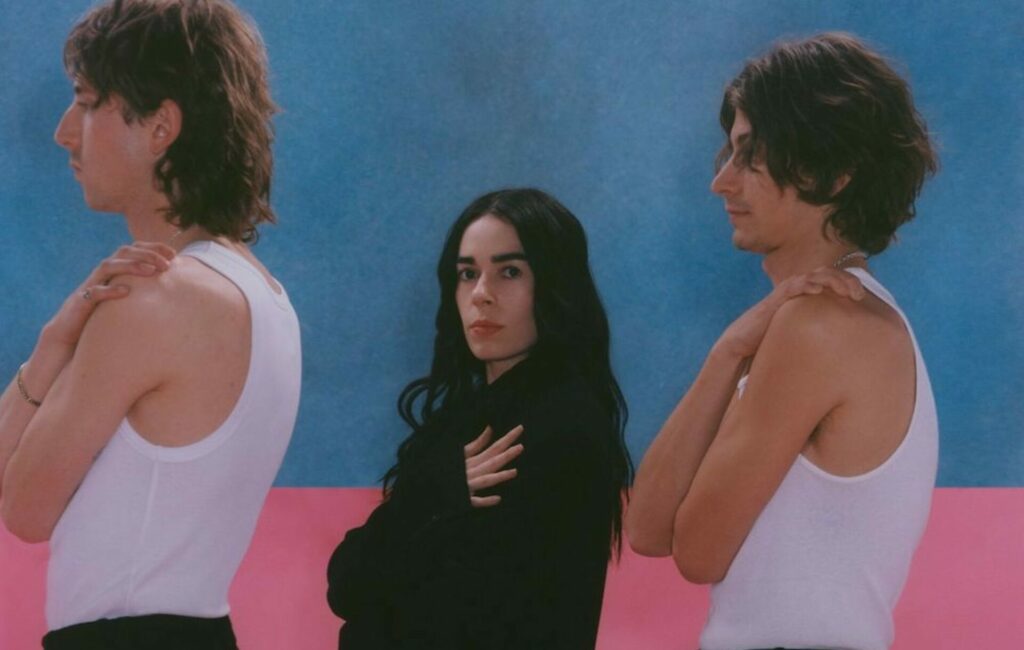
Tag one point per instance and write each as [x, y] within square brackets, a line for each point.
[820, 334]
[187, 281]
[815, 320]
[147, 304]
[187, 295]
[860, 327]
[132, 337]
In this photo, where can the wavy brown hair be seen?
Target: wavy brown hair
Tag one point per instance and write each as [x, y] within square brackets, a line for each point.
[826, 109]
[209, 59]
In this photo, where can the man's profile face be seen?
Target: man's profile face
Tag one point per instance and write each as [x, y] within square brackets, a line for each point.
[763, 215]
[110, 158]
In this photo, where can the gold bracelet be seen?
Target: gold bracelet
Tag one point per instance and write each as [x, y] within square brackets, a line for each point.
[21, 388]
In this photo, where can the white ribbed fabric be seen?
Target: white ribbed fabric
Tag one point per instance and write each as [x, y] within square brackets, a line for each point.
[828, 557]
[163, 529]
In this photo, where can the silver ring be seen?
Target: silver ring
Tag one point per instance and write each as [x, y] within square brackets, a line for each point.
[87, 295]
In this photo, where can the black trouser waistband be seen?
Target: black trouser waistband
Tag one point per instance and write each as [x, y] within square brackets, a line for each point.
[152, 632]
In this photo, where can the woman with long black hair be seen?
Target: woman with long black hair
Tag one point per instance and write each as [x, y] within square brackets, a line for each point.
[484, 543]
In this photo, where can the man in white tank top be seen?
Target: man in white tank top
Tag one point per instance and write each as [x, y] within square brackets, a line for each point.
[795, 475]
[143, 432]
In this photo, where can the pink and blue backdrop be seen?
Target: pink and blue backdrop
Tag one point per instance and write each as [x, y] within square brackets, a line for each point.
[396, 114]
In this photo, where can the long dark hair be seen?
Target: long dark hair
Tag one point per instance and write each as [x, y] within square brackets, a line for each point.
[572, 328]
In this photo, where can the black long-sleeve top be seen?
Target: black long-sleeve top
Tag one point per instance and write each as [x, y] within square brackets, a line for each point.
[427, 570]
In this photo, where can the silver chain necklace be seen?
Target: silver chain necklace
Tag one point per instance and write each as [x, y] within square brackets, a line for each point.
[175, 236]
[852, 255]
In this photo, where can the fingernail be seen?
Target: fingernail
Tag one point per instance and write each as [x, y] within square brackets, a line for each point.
[148, 268]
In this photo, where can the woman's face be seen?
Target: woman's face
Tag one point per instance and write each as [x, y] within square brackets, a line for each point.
[494, 293]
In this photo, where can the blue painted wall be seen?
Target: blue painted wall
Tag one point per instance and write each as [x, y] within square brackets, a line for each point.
[397, 114]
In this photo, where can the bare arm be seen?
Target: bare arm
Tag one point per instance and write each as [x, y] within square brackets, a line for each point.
[121, 356]
[38, 375]
[791, 388]
[671, 463]
[60, 337]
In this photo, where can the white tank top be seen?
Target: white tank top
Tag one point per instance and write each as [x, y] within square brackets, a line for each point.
[828, 557]
[158, 529]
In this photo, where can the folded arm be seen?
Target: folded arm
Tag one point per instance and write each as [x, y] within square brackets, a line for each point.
[118, 358]
[534, 574]
[59, 338]
[37, 375]
[669, 467]
[671, 462]
[792, 386]
[500, 575]
[401, 538]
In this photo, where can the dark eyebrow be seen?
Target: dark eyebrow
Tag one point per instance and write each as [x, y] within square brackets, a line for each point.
[508, 257]
[496, 259]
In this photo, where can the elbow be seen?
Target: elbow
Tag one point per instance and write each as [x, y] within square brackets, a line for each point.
[701, 556]
[32, 536]
[336, 603]
[645, 541]
[23, 526]
[695, 568]
[697, 573]
[648, 545]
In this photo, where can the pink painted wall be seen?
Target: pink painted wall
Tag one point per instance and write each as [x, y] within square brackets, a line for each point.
[966, 587]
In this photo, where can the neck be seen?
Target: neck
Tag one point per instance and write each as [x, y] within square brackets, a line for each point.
[146, 219]
[151, 225]
[803, 257]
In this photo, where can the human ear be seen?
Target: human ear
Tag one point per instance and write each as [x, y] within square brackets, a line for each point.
[164, 126]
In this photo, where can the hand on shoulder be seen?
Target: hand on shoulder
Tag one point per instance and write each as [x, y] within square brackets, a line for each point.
[744, 336]
[110, 280]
